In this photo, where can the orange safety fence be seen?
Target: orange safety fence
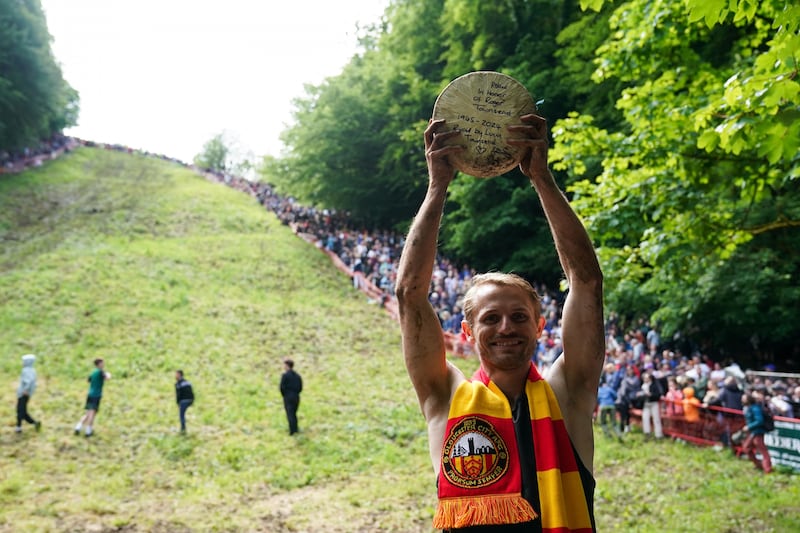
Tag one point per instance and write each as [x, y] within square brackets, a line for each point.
[713, 425]
[359, 281]
[453, 342]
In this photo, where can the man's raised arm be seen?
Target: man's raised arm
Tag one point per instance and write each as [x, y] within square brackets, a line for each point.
[423, 340]
[575, 375]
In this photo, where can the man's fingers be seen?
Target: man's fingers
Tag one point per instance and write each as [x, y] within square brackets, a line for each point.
[534, 125]
[446, 150]
[430, 131]
[439, 137]
[534, 144]
[535, 119]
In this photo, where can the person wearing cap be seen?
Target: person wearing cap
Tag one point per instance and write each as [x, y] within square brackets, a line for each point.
[510, 449]
[27, 386]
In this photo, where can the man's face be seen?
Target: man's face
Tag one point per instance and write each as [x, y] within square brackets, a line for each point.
[505, 326]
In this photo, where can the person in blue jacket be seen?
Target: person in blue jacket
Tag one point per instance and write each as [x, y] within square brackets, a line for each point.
[755, 429]
[606, 401]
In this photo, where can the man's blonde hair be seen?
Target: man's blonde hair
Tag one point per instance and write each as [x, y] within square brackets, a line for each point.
[503, 280]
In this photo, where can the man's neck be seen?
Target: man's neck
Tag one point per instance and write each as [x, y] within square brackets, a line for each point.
[511, 382]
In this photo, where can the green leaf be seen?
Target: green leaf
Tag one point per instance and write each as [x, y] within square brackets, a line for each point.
[709, 10]
[708, 141]
[594, 5]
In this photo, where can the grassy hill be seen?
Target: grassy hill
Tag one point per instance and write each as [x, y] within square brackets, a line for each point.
[146, 264]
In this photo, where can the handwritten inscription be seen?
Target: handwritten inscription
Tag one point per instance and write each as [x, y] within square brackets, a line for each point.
[481, 105]
[485, 133]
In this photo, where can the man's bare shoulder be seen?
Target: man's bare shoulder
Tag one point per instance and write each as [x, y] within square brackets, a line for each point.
[439, 407]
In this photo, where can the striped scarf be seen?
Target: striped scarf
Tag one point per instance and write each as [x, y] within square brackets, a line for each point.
[480, 481]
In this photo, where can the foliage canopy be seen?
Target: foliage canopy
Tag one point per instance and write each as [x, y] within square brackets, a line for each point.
[675, 132]
[35, 100]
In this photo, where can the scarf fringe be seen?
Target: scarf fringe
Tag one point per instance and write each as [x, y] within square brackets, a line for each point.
[483, 510]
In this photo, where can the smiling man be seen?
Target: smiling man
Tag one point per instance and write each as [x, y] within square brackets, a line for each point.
[511, 450]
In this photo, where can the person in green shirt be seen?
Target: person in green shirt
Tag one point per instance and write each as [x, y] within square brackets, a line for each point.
[96, 380]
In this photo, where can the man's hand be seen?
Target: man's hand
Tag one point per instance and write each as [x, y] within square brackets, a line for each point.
[534, 162]
[437, 152]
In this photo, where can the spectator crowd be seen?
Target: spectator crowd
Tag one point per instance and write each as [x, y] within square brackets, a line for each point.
[641, 375]
[640, 369]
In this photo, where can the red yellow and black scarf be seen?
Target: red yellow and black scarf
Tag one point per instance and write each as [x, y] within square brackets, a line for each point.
[480, 482]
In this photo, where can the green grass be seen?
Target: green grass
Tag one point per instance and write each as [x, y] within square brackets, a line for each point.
[153, 268]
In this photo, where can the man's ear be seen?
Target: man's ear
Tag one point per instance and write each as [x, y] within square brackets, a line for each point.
[466, 329]
[539, 331]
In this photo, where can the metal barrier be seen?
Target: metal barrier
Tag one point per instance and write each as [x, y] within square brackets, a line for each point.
[714, 425]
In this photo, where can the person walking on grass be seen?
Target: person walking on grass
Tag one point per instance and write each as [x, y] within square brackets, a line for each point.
[511, 449]
[291, 387]
[27, 386]
[184, 395]
[96, 380]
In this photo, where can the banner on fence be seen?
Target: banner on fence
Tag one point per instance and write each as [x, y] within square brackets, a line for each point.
[784, 444]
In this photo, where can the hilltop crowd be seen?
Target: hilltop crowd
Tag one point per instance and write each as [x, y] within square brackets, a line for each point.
[12, 161]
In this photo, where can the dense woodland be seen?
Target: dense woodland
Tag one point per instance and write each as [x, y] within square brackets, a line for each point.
[35, 100]
[675, 131]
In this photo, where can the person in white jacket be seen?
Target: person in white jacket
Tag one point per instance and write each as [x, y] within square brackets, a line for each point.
[27, 386]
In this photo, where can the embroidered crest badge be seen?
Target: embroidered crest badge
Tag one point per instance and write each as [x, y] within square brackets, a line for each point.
[474, 455]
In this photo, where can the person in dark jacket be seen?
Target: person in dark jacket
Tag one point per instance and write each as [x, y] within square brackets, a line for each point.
[626, 397]
[184, 396]
[291, 387]
[730, 397]
[650, 395]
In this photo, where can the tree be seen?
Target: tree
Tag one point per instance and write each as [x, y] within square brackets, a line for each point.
[35, 101]
[214, 155]
[675, 131]
[224, 153]
[497, 224]
[355, 140]
[695, 201]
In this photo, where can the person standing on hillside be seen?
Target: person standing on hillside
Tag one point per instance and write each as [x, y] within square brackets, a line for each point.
[96, 380]
[291, 387]
[184, 395]
[508, 447]
[27, 386]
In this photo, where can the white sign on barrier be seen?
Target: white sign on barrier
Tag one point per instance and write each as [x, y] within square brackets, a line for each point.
[784, 444]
